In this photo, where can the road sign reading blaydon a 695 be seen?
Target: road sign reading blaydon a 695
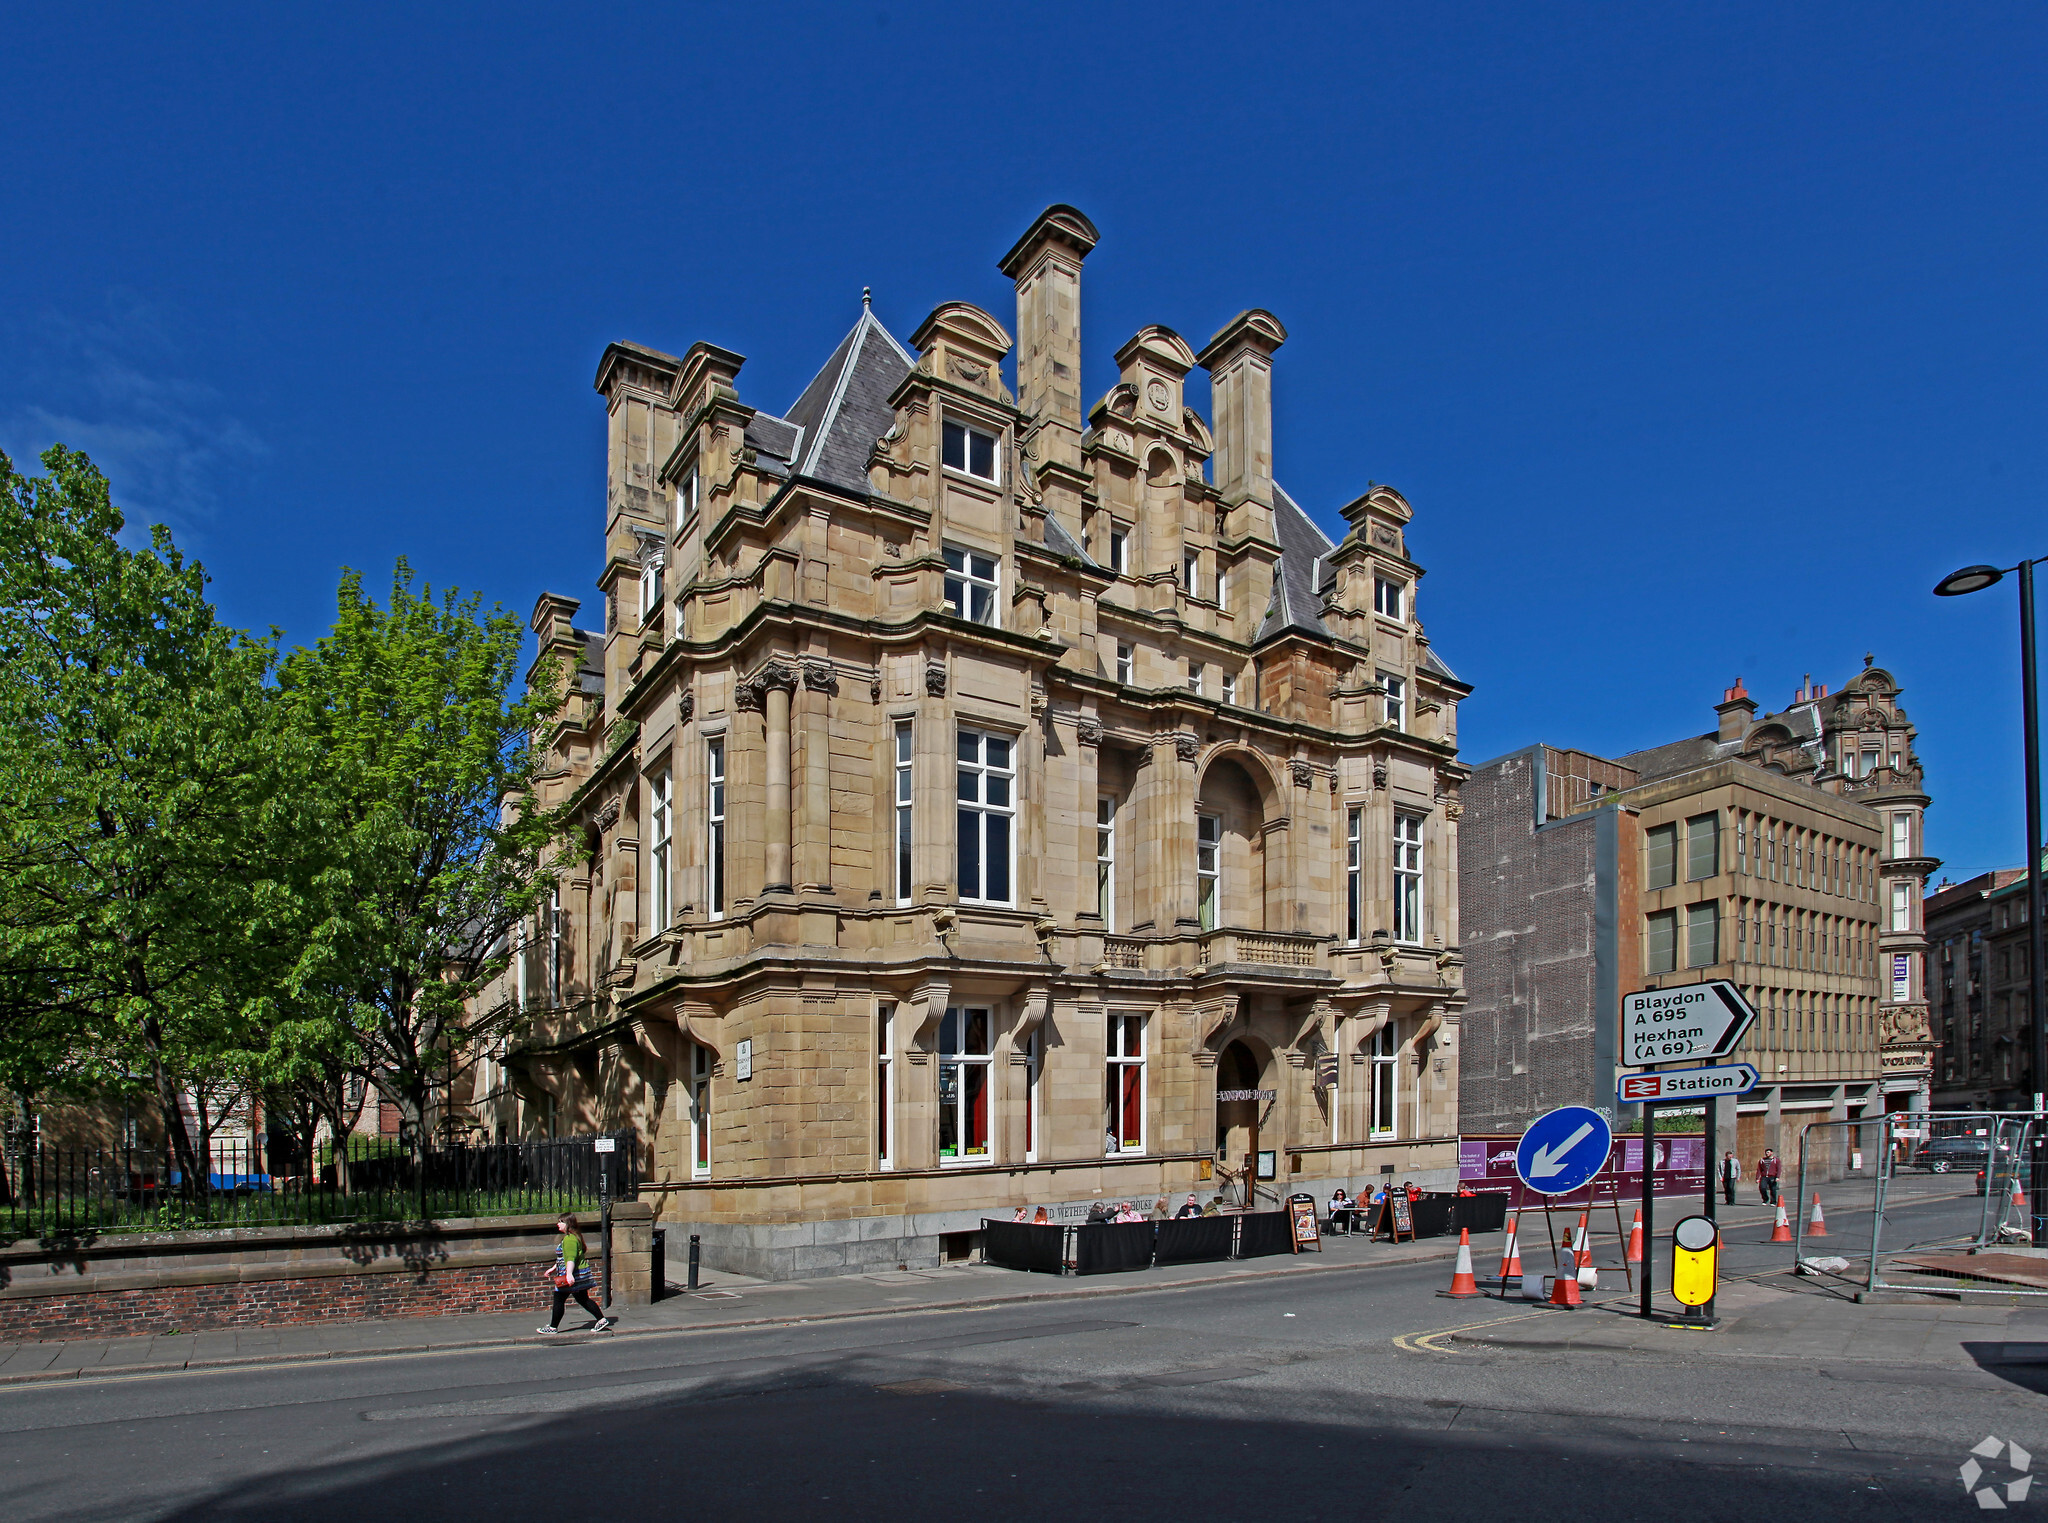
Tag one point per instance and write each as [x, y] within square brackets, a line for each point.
[1685, 1024]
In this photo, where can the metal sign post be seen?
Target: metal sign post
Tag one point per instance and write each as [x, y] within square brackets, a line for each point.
[1649, 1202]
[606, 1149]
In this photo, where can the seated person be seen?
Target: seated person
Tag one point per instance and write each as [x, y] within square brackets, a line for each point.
[1413, 1193]
[1124, 1213]
[1041, 1219]
[1017, 1215]
[1189, 1207]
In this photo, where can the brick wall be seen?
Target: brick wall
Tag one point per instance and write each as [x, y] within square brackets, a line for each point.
[271, 1303]
[1527, 906]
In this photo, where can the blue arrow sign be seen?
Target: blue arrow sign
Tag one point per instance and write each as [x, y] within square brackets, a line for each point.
[1685, 1084]
[1562, 1150]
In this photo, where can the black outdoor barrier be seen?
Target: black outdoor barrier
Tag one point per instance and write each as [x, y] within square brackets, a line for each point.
[1024, 1245]
[1195, 1240]
[1109, 1246]
[1263, 1232]
[1481, 1213]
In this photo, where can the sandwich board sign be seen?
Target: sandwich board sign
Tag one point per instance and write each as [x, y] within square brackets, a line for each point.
[1563, 1149]
[1691, 1023]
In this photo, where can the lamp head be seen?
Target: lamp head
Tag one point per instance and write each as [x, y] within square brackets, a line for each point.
[1969, 579]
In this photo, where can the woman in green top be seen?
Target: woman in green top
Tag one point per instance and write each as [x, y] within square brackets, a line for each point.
[570, 1275]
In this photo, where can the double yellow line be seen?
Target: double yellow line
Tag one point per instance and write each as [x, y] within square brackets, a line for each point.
[1426, 1343]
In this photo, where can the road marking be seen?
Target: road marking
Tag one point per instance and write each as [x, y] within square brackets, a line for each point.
[1426, 1343]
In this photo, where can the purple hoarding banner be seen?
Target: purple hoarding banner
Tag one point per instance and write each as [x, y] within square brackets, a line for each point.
[1489, 1163]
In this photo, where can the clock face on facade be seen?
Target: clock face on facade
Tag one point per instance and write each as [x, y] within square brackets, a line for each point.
[1157, 394]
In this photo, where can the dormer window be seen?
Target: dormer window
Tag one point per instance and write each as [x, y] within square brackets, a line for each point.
[1389, 599]
[651, 558]
[971, 450]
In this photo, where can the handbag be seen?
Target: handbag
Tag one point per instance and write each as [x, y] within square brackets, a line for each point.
[561, 1276]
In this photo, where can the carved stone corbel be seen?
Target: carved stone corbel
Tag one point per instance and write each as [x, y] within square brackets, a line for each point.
[1372, 1016]
[1304, 774]
[1088, 731]
[935, 679]
[686, 705]
[1186, 745]
[928, 1004]
[819, 677]
[1037, 1005]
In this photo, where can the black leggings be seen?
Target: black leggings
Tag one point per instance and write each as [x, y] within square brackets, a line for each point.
[582, 1295]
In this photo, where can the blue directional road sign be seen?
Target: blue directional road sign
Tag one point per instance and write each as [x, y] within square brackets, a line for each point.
[1562, 1150]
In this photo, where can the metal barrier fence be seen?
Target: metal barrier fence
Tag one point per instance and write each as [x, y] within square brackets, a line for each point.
[49, 1190]
[1896, 1193]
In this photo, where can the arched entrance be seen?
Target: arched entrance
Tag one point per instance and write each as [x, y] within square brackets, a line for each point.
[1240, 1076]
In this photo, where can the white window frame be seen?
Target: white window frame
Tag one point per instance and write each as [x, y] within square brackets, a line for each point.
[885, 1086]
[1034, 1071]
[1389, 599]
[1126, 663]
[660, 850]
[714, 828]
[1105, 859]
[955, 1025]
[653, 557]
[1209, 869]
[975, 812]
[1384, 1120]
[967, 583]
[1396, 699]
[1902, 905]
[554, 946]
[1119, 551]
[699, 1102]
[1409, 899]
[1230, 687]
[686, 498]
[1354, 874]
[1901, 835]
[1191, 572]
[1195, 670]
[1222, 583]
[901, 820]
[969, 434]
[1120, 1061]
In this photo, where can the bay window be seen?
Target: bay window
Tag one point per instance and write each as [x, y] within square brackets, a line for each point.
[963, 1085]
[1408, 878]
[987, 807]
[1124, 1129]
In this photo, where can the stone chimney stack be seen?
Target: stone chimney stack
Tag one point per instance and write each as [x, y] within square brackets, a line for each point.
[1737, 710]
[1240, 365]
[1046, 265]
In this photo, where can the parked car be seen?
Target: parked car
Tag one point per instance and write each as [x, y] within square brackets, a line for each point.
[1941, 1154]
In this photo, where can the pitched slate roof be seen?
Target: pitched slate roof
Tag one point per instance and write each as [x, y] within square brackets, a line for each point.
[845, 409]
[1060, 542]
[1297, 600]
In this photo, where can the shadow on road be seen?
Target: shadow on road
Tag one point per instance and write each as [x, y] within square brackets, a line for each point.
[2028, 1370]
[819, 1445]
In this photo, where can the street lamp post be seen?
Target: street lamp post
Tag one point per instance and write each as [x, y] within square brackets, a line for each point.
[1976, 579]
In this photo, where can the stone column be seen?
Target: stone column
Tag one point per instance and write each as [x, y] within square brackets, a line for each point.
[632, 1253]
[777, 683]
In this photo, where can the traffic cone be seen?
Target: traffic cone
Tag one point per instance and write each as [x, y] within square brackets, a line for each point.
[1511, 1255]
[1463, 1285]
[1585, 1243]
[1816, 1224]
[1564, 1290]
[1782, 1232]
[2019, 1196]
[1635, 1239]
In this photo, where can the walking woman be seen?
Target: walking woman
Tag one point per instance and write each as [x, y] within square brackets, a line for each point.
[570, 1275]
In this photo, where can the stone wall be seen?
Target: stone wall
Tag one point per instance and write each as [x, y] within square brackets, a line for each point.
[129, 1284]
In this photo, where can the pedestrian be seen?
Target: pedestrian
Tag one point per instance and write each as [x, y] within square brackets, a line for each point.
[1731, 1175]
[570, 1275]
[1767, 1171]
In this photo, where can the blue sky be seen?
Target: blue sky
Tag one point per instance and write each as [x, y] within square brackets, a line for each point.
[1703, 339]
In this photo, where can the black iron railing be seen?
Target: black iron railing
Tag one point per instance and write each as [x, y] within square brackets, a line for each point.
[49, 1190]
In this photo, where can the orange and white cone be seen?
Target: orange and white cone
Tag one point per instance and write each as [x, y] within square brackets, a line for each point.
[1816, 1224]
[1511, 1255]
[1585, 1243]
[1463, 1284]
[1782, 1232]
[2019, 1196]
[1635, 1239]
[1564, 1290]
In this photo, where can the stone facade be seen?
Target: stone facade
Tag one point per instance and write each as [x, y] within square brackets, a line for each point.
[967, 789]
[1979, 988]
[1767, 853]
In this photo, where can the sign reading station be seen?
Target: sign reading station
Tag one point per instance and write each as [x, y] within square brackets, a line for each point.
[1686, 1024]
[1685, 1084]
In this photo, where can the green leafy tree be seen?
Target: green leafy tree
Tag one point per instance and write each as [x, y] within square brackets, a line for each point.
[140, 801]
[422, 724]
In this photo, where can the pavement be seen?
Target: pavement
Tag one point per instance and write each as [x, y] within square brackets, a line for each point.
[722, 1301]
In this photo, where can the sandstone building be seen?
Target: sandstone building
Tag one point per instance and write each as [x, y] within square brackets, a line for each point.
[1783, 853]
[983, 798]
[1979, 987]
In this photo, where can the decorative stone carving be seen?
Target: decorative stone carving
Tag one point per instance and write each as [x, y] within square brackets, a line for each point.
[966, 370]
[1304, 774]
[1088, 731]
[686, 706]
[1158, 396]
[776, 675]
[746, 697]
[1186, 746]
[935, 679]
[819, 677]
[875, 689]
[1379, 774]
[1454, 810]
[608, 814]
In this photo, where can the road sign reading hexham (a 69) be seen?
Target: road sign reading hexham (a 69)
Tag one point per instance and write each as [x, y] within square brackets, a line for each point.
[1686, 1024]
